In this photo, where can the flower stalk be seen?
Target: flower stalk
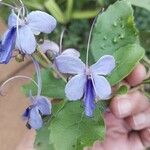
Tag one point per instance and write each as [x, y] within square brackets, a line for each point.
[46, 63]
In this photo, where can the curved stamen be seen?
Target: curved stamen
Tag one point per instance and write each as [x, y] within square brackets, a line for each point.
[61, 40]
[16, 77]
[8, 5]
[22, 7]
[89, 40]
[39, 80]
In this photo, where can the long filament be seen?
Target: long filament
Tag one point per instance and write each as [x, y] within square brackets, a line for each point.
[88, 45]
[8, 5]
[61, 40]
[16, 77]
[22, 7]
[38, 74]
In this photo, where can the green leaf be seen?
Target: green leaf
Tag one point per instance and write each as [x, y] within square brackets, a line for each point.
[84, 14]
[42, 138]
[72, 130]
[123, 89]
[55, 10]
[51, 87]
[115, 34]
[34, 4]
[69, 9]
[126, 57]
[144, 3]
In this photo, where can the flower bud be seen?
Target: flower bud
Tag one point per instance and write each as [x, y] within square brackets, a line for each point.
[19, 58]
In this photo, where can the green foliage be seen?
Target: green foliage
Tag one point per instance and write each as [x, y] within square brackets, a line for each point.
[71, 130]
[145, 41]
[42, 138]
[142, 19]
[123, 89]
[55, 10]
[115, 34]
[144, 3]
[51, 87]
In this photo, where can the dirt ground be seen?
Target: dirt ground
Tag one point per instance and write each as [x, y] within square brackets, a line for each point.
[13, 103]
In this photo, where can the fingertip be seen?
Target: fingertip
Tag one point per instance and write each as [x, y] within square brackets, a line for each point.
[121, 106]
[137, 75]
[145, 137]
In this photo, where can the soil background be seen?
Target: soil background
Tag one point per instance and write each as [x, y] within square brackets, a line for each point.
[13, 103]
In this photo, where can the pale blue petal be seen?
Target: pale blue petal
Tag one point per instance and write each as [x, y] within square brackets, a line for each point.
[104, 65]
[13, 20]
[49, 45]
[43, 105]
[101, 86]
[71, 65]
[75, 87]
[41, 22]
[35, 120]
[71, 52]
[25, 40]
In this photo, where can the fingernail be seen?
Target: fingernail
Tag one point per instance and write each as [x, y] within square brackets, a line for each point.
[124, 107]
[139, 120]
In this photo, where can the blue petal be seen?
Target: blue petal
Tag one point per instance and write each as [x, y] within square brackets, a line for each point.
[27, 112]
[49, 45]
[41, 22]
[43, 105]
[13, 19]
[35, 120]
[25, 40]
[89, 97]
[8, 44]
[71, 52]
[75, 87]
[101, 86]
[104, 65]
[71, 65]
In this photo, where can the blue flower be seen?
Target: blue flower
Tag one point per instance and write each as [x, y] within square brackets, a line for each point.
[87, 81]
[54, 49]
[40, 106]
[21, 31]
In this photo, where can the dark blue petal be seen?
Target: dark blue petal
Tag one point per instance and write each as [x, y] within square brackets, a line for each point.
[89, 97]
[7, 46]
[26, 113]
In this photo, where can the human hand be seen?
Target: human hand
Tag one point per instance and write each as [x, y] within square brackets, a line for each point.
[128, 122]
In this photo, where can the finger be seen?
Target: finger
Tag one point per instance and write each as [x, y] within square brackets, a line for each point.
[131, 104]
[97, 146]
[114, 126]
[137, 75]
[145, 137]
[139, 121]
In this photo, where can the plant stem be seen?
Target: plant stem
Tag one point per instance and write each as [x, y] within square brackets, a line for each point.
[45, 62]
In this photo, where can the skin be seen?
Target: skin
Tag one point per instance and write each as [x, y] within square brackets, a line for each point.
[127, 121]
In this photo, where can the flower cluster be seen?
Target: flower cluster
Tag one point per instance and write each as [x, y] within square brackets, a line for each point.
[21, 31]
[87, 82]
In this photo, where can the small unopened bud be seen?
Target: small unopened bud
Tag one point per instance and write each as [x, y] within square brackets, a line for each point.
[19, 58]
